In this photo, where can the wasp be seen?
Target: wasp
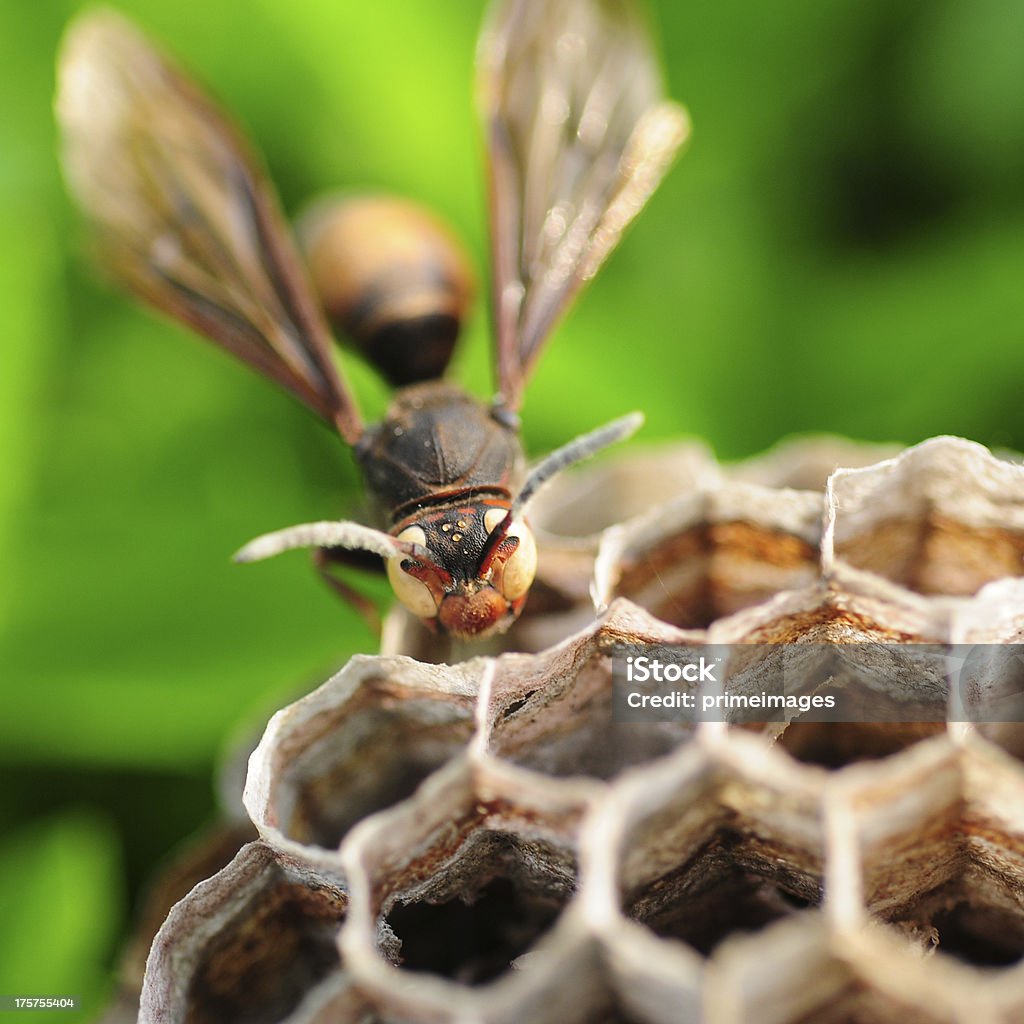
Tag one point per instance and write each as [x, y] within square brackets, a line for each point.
[578, 136]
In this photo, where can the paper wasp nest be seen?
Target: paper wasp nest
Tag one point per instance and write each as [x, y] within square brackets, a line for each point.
[483, 842]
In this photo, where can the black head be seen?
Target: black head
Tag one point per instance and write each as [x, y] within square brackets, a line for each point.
[475, 571]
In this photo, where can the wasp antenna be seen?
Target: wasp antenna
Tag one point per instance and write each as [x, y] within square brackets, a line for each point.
[330, 534]
[577, 450]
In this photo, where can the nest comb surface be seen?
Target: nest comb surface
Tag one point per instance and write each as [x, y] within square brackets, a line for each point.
[482, 841]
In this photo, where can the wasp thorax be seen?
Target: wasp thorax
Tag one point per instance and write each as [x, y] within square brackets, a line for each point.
[393, 278]
[469, 570]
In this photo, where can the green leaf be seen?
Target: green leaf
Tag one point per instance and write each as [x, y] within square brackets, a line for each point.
[60, 908]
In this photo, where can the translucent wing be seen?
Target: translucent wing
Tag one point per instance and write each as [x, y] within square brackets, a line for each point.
[578, 136]
[183, 216]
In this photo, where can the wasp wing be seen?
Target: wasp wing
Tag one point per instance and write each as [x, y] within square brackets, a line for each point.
[578, 137]
[182, 215]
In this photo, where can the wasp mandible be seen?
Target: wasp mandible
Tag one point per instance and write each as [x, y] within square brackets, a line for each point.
[578, 137]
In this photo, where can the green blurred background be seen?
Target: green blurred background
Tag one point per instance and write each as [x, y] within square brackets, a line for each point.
[842, 249]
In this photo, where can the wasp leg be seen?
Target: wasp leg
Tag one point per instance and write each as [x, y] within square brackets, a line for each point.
[327, 560]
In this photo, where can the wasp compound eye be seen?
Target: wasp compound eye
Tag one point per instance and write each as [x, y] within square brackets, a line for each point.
[413, 593]
[521, 566]
[518, 568]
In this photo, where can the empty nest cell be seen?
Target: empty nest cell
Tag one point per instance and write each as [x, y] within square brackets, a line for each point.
[246, 945]
[360, 743]
[943, 518]
[717, 846]
[554, 713]
[941, 849]
[708, 555]
[464, 880]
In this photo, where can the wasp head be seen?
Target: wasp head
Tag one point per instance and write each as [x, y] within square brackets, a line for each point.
[476, 566]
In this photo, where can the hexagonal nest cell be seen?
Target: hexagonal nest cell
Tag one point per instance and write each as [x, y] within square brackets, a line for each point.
[485, 840]
[702, 862]
[705, 556]
[360, 743]
[464, 888]
[943, 519]
[554, 712]
[948, 869]
[246, 945]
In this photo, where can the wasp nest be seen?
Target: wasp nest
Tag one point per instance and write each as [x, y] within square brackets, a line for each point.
[484, 841]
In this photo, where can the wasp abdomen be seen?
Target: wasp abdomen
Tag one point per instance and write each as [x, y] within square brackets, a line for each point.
[393, 279]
